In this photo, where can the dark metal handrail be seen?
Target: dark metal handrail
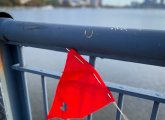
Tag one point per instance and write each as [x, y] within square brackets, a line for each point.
[143, 46]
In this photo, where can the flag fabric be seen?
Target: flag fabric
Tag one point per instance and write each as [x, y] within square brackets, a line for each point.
[80, 91]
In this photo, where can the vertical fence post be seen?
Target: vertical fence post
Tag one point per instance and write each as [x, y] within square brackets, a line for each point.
[155, 111]
[12, 84]
[92, 62]
[45, 96]
[24, 82]
[120, 104]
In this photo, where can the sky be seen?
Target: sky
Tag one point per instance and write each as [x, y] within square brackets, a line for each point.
[119, 2]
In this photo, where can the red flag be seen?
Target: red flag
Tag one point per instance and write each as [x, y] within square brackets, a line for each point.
[80, 91]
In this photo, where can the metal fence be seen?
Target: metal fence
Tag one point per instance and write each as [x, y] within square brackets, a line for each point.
[140, 46]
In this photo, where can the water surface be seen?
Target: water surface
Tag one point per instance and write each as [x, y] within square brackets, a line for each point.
[133, 74]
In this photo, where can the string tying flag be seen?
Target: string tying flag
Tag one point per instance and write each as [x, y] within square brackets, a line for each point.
[80, 91]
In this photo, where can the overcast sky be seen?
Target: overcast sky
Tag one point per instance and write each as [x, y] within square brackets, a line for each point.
[119, 2]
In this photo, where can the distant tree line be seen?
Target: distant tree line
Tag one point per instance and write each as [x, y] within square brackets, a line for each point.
[9, 2]
[30, 3]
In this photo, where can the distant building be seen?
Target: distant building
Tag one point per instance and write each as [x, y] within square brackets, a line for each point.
[162, 2]
[135, 4]
[94, 3]
[60, 2]
[150, 2]
[79, 2]
[153, 3]
[64, 2]
[24, 1]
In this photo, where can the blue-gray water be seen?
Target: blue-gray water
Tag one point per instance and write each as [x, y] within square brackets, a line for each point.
[138, 75]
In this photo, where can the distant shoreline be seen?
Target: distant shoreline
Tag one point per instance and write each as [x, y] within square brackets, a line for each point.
[50, 6]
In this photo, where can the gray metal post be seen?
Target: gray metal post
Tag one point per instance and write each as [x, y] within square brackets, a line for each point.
[92, 62]
[12, 84]
[155, 111]
[24, 82]
[45, 96]
[120, 105]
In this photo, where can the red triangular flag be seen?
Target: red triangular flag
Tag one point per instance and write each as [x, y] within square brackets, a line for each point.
[80, 91]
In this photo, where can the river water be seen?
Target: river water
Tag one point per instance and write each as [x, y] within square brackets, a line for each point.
[132, 74]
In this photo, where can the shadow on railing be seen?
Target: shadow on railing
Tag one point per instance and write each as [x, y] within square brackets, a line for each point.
[114, 43]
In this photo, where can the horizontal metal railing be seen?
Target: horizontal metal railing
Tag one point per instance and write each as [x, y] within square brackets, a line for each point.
[121, 89]
[136, 92]
[142, 46]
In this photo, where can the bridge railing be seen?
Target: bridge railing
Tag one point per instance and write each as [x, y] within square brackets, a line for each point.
[140, 46]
